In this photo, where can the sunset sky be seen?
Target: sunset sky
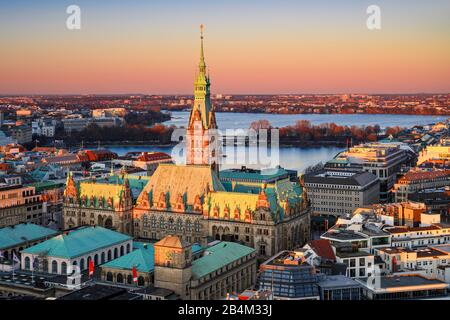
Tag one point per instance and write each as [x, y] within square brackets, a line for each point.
[152, 46]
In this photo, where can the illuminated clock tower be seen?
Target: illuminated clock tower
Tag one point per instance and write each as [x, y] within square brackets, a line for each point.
[173, 265]
[201, 136]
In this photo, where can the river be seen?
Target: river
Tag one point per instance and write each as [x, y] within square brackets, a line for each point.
[296, 158]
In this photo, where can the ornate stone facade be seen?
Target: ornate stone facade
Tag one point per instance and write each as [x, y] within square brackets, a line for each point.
[105, 204]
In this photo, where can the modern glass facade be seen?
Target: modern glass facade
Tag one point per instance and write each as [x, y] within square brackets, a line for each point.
[290, 282]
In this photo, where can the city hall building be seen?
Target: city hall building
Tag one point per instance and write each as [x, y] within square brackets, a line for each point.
[266, 210]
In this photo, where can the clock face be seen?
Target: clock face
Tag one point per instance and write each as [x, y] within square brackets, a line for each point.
[169, 255]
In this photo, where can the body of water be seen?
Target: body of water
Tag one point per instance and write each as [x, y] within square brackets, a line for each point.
[297, 158]
[229, 120]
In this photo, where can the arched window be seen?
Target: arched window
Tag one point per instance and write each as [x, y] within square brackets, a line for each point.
[171, 224]
[109, 277]
[54, 266]
[96, 259]
[109, 254]
[145, 221]
[45, 265]
[103, 258]
[188, 225]
[121, 250]
[128, 248]
[119, 278]
[116, 253]
[63, 268]
[197, 226]
[82, 264]
[27, 263]
[141, 281]
[179, 225]
[130, 279]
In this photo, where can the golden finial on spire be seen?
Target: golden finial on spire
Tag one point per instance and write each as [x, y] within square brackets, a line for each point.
[202, 27]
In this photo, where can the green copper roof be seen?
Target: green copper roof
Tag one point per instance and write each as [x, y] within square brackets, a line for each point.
[46, 185]
[218, 256]
[142, 257]
[20, 233]
[262, 176]
[78, 242]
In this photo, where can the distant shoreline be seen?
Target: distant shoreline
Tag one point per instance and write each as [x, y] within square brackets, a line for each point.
[308, 144]
[411, 113]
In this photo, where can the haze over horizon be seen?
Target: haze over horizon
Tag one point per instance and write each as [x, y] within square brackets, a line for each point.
[251, 47]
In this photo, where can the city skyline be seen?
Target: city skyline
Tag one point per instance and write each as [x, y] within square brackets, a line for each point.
[272, 48]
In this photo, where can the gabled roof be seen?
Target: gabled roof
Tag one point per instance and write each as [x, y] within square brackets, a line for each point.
[187, 180]
[172, 242]
[78, 242]
[25, 232]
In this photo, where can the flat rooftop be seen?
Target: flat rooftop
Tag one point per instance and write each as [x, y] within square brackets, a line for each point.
[95, 292]
[407, 281]
[410, 282]
[340, 234]
[337, 281]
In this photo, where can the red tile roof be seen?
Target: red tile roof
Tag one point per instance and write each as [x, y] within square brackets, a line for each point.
[322, 248]
[424, 175]
[153, 156]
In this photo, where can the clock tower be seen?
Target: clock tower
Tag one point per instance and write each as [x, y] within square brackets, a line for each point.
[201, 137]
[173, 265]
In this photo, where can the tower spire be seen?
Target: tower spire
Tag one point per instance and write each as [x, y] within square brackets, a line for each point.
[202, 65]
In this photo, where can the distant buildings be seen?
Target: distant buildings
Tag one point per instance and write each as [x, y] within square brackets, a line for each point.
[44, 127]
[384, 160]
[20, 133]
[415, 181]
[408, 237]
[401, 213]
[341, 192]
[19, 204]
[78, 124]
[109, 112]
[434, 153]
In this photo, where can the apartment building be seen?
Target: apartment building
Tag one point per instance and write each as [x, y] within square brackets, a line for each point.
[423, 236]
[427, 261]
[415, 181]
[19, 204]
